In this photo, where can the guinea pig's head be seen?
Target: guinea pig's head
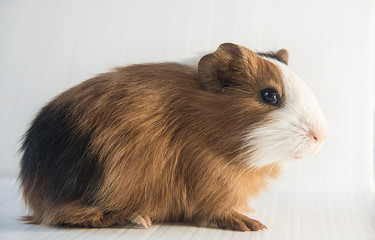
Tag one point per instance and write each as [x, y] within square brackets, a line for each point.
[285, 120]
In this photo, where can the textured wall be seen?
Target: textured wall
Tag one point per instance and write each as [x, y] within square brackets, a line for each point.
[48, 46]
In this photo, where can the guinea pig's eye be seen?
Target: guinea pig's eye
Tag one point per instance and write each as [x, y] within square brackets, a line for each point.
[270, 96]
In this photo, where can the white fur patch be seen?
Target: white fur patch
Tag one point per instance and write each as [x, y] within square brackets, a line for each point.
[287, 133]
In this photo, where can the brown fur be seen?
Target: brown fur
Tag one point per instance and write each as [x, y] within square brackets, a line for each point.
[170, 141]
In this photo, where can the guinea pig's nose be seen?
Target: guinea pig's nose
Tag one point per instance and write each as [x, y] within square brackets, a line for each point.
[318, 135]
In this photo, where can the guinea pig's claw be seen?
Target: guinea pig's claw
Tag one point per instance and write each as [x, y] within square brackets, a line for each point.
[148, 221]
[237, 221]
[144, 221]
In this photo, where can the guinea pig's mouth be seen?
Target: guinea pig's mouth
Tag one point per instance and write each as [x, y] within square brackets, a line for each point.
[312, 149]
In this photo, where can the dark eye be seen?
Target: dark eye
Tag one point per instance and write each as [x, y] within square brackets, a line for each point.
[270, 96]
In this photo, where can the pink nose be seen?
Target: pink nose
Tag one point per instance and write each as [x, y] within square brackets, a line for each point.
[318, 135]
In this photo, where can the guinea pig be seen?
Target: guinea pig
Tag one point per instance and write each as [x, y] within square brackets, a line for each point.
[167, 142]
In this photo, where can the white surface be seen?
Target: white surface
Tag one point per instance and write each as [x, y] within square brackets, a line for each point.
[288, 215]
[48, 46]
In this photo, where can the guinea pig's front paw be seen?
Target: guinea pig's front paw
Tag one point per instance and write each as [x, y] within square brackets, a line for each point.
[237, 221]
[144, 221]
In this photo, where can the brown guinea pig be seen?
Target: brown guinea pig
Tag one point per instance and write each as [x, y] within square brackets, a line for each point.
[169, 142]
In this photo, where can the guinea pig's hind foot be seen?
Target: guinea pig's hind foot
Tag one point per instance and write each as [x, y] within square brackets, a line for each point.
[143, 221]
[239, 222]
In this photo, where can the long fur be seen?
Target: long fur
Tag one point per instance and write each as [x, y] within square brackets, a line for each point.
[161, 141]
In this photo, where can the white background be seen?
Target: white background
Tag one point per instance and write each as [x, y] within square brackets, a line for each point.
[48, 46]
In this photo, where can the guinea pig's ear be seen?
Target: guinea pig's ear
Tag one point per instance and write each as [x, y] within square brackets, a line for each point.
[224, 67]
[283, 55]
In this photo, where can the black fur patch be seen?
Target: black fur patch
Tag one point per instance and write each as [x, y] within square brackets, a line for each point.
[57, 160]
[271, 55]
